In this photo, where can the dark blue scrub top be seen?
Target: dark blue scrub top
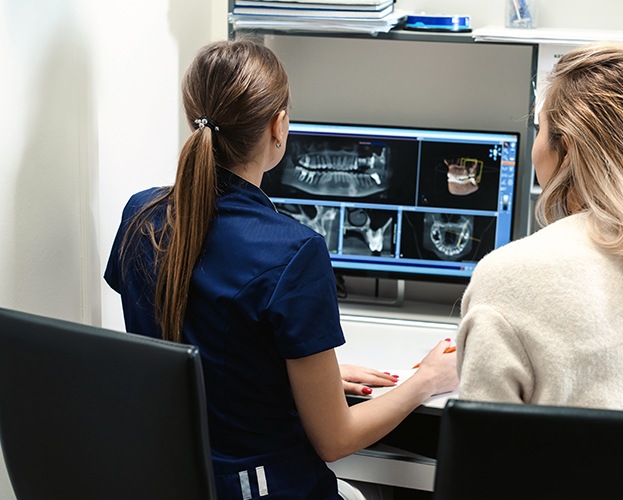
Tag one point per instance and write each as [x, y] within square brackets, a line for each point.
[263, 291]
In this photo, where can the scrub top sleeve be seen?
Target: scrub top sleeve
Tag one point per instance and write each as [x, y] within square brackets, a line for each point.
[112, 274]
[304, 307]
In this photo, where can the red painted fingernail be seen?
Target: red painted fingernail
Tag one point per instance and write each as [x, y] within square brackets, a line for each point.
[386, 373]
[448, 340]
[395, 376]
[366, 390]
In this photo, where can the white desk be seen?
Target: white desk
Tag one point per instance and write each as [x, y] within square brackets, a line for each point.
[394, 340]
[390, 343]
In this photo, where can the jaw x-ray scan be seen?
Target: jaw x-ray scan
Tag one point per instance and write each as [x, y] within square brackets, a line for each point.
[343, 168]
[448, 236]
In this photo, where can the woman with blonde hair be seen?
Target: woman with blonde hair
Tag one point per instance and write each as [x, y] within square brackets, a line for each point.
[541, 318]
[210, 262]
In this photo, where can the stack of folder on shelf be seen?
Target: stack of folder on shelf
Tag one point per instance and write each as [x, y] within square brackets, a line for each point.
[369, 16]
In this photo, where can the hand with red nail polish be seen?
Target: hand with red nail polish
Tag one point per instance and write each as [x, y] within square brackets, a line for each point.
[357, 380]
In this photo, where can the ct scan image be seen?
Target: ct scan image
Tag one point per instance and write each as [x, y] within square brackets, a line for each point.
[345, 169]
[336, 167]
[445, 236]
[369, 232]
[462, 176]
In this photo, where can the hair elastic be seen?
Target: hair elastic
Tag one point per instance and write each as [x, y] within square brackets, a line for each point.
[206, 122]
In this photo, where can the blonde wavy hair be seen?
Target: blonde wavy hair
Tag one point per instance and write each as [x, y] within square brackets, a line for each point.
[583, 105]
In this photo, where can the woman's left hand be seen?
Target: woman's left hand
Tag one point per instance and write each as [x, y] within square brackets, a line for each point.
[358, 379]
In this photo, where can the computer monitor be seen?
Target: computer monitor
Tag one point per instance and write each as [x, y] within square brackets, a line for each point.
[399, 202]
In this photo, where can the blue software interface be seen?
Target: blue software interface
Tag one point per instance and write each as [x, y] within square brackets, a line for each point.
[399, 202]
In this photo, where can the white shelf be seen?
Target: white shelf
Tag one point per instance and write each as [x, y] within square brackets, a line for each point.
[559, 36]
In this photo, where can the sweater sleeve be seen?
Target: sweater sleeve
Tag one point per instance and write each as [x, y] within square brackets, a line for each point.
[492, 362]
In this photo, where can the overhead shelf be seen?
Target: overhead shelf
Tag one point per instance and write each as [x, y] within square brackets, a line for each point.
[558, 36]
[403, 35]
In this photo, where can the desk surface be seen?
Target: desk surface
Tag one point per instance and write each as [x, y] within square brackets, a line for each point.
[392, 344]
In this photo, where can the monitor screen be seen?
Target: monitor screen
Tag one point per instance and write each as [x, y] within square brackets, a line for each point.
[399, 202]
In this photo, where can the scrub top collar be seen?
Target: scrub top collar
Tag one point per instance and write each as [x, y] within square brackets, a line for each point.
[232, 181]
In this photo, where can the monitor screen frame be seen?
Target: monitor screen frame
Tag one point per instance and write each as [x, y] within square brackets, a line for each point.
[351, 265]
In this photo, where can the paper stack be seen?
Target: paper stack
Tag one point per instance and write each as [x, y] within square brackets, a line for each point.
[368, 16]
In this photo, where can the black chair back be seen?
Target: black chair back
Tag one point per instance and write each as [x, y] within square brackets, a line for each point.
[88, 413]
[510, 451]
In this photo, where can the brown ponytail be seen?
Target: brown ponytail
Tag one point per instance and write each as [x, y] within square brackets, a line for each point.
[231, 92]
[190, 210]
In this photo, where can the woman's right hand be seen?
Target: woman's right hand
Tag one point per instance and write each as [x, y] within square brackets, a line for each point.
[440, 368]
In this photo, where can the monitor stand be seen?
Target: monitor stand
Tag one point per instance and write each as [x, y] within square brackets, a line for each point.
[396, 300]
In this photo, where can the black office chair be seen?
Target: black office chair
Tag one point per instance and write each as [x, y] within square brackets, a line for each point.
[508, 451]
[87, 414]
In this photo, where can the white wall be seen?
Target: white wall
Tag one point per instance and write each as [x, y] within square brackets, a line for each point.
[45, 118]
[89, 113]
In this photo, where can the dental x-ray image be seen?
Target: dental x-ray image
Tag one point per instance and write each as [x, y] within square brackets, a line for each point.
[345, 168]
[456, 175]
[336, 167]
[448, 236]
[323, 219]
[369, 232]
[444, 236]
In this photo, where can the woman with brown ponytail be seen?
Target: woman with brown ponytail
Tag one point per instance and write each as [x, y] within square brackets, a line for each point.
[210, 262]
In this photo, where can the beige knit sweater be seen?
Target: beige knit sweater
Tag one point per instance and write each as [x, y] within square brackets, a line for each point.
[542, 322]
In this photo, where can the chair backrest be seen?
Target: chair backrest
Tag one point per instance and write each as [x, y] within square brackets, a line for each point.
[88, 413]
[512, 451]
